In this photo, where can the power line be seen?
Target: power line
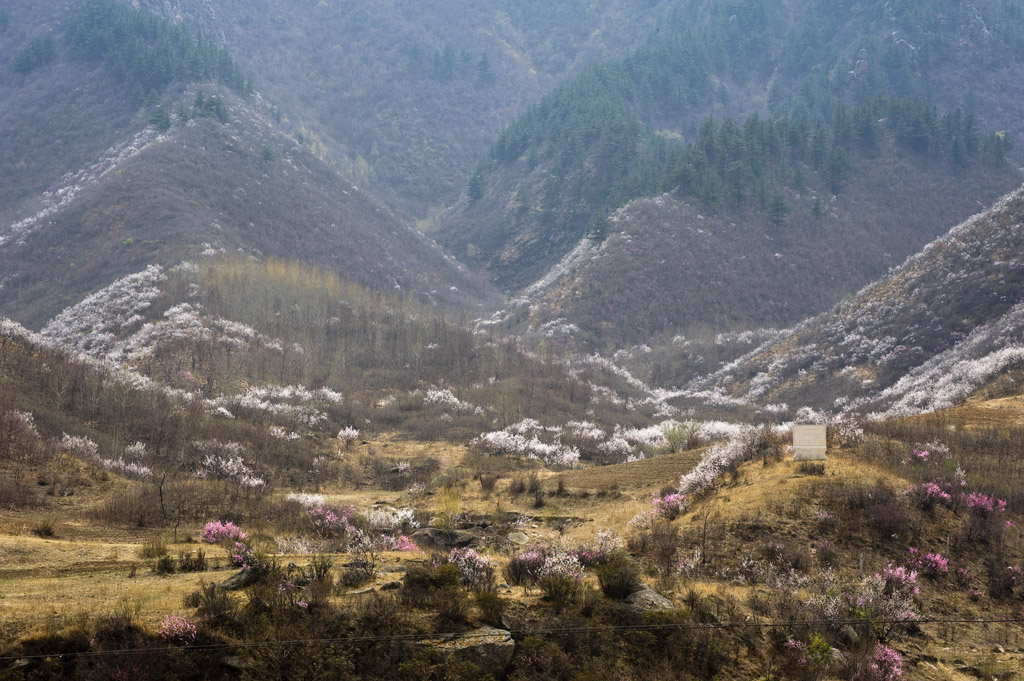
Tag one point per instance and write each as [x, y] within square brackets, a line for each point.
[448, 636]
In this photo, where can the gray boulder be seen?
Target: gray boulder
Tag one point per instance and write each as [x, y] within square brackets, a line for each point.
[647, 600]
[433, 538]
[518, 538]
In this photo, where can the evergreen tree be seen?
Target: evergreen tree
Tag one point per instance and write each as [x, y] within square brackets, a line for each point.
[160, 119]
[475, 189]
[776, 210]
[484, 71]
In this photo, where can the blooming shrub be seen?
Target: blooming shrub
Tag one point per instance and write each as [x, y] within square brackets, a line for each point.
[715, 461]
[981, 505]
[403, 543]
[475, 571]
[217, 532]
[604, 547]
[15, 424]
[223, 461]
[524, 569]
[393, 520]
[884, 664]
[561, 562]
[348, 435]
[928, 495]
[670, 506]
[807, 660]
[886, 600]
[78, 445]
[930, 565]
[306, 499]
[330, 522]
[982, 523]
[900, 579]
[245, 557]
[177, 629]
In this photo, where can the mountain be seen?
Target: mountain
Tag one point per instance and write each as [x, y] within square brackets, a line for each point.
[218, 175]
[405, 97]
[759, 114]
[946, 323]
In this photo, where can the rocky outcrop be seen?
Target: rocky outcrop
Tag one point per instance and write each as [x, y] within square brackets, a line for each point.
[488, 648]
[433, 538]
[646, 600]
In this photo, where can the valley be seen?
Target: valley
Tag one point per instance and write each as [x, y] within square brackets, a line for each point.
[454, 341]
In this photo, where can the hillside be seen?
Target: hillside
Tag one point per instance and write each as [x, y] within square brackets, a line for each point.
[143, 188]
[944, 324]
[749, 115]
[406, 97]
[765, 565]
[729, 270]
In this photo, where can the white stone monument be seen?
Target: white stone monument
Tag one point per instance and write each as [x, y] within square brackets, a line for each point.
[809, 442]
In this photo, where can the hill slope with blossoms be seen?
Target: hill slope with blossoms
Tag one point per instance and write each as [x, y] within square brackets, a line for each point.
[941, 326]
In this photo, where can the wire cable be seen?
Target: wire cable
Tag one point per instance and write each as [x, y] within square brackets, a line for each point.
[518, 633]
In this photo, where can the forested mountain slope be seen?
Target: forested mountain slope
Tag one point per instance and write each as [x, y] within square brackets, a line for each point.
[176, 170]
[405, 97]
[758, 114]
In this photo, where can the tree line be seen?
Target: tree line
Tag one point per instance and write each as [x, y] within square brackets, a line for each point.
[146, 52]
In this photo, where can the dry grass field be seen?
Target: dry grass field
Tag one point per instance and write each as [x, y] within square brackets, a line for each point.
[87, 570]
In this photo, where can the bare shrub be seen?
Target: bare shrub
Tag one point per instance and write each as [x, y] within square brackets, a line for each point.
[452, 608]
[153, 549]
[45, 527]
[517, 486]
[379, 614]
[164, 565]
[619, 577]
[811, 468]
[137, 507]
[560, 590]
[492, 606]
[487, 482]
[194, 561]
[213, 604]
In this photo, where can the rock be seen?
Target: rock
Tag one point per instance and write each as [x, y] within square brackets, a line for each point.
[239, 580]
[364, 590]
[998, 649]
[850, 636]
[646, 600]
[837, 659]
[488, 648]
[433, 538]
[391, 586]
[970, 671]
[517, 538]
